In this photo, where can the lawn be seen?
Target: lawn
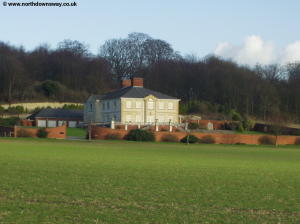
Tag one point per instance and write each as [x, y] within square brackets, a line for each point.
[51, 181]
[76, 132]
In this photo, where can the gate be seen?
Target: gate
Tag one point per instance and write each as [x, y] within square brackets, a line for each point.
[6, 131]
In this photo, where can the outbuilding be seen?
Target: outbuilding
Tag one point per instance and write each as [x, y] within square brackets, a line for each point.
[56, 117]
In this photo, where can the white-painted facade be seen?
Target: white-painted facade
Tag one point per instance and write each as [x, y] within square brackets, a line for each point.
[131, 110]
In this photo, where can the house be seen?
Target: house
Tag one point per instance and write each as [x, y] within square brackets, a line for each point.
[56, 117]
[133, 104]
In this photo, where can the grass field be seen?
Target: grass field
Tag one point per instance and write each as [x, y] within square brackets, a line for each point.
[76, 132]
[49, 181]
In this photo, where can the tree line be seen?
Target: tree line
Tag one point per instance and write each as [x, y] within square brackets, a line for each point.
[70, 72]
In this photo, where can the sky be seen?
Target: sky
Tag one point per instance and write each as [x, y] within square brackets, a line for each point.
[246, 31]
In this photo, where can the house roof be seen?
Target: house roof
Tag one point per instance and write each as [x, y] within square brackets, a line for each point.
[133, 92]
[57, 113]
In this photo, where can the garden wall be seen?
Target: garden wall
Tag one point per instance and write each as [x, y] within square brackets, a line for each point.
[57, 132]
[102, 132]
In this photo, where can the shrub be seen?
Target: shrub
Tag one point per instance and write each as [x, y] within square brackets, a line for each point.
[240, 128]
[266, 140]
[193, 126]
[23, 133]
[10, 121]
[113, 136]
[42, 133]
[297, 142]
[235, 116]
[189, 139]
[169, 138]
[248, 124]
[231, 126]
[140, 135]
[208, 139]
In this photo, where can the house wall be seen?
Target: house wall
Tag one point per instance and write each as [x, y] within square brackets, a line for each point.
[140, 110]
[111, 109]
[97, 111]
[89, 110]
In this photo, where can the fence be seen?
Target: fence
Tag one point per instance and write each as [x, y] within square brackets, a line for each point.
[6, 131]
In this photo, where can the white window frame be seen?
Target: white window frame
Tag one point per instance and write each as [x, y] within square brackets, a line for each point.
[161, 105]
[128, 104]
[170, 106]
[150, 105]
[128, 118]
[138, 104]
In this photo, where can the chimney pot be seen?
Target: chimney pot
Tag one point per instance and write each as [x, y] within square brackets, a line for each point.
[138, 82]
[126, 83]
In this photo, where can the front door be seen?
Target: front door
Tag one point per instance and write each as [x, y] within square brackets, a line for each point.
[150, 119]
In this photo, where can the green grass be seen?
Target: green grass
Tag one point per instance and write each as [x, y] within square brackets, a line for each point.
[76, 132]
[48, 181]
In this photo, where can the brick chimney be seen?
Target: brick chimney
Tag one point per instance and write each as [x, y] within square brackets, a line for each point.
[137, 82]
[126, 83]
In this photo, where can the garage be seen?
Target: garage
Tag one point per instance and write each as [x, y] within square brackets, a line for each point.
[60, 123]
[41, 123]
[72, 124]
[56, 117]
[51, 124]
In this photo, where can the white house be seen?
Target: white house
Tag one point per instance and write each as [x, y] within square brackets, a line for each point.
[132, 104]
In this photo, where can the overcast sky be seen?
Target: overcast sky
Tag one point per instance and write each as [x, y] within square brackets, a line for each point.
[248, 31]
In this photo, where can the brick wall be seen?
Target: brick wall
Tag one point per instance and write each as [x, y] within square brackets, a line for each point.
[218, 125]
[102, 132]
[27, 123]
[58, 132]
[137, 82]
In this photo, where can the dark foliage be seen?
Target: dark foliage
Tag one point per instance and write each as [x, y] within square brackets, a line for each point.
[42, 133]
[10, 121]
[209, 85]
[233, 126]
[169, 138]
[190, 139]
[140, 135]
[267, 140]
[297, 142]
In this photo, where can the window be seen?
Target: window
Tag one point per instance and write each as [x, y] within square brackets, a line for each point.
[103, 105]
[107, 105]
[91, 107]
[170, 106]
[128, 118]
[150, 105]
[128, 104]
[115, 104]
[161, 105]
[138, 118]
[138, 104]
